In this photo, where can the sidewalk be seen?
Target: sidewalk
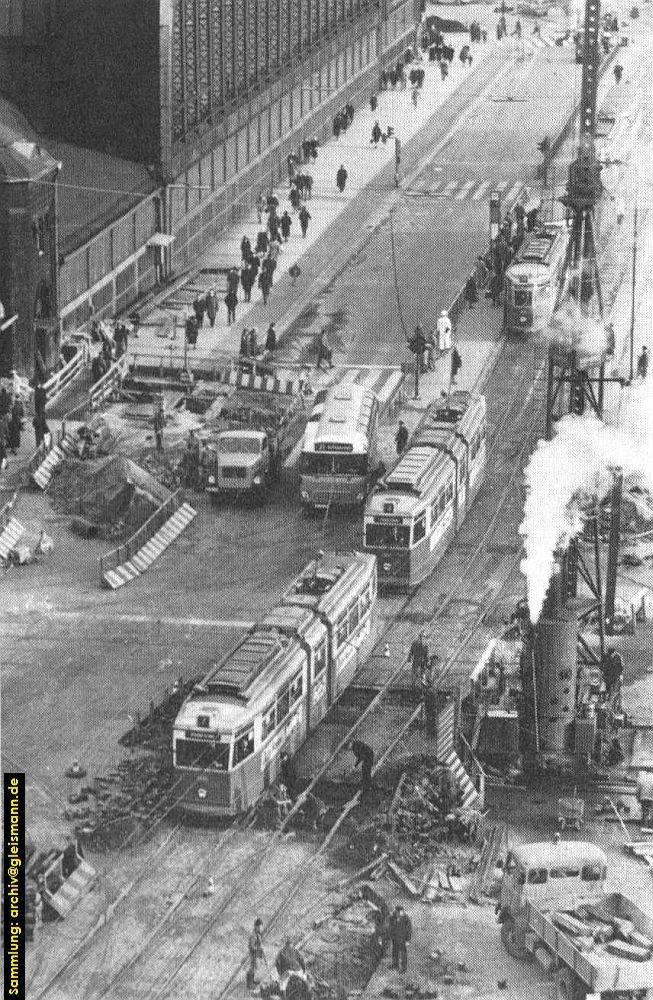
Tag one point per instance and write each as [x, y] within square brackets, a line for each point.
[364, 164]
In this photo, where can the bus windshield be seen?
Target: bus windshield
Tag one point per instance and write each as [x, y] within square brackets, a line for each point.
[202, 753]
[239, 446]
[387, 536]
[313, 464]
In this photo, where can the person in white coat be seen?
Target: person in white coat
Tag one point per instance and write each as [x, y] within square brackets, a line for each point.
[443, 328]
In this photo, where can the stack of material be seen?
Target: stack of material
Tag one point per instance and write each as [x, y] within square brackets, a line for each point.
[592, 927]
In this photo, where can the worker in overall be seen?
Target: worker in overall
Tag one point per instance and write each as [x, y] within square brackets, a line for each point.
[365, 757]
[419, 657]
[645, 795]
[400, 931]
[255, 951]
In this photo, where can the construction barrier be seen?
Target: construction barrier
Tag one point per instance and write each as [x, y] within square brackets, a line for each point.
[135, 556]
[62, 378]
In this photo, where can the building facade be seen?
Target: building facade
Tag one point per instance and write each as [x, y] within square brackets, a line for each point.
[213, 95]
[28, 251]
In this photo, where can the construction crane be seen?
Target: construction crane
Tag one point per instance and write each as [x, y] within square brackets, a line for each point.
[576, 383]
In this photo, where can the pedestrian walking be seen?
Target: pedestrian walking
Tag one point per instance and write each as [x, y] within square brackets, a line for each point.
[471, 291]
[364, 755]
[374, 101]
[304, 218]
[247, 281]
[15, 424]
[324, 352]
[233, 279]
[211, 305]
[260, 208]
[376, 133]
[401, 437]
[256, 952]
[244, 343]
[262, 241]
[252, 343]
[285, 224]
[40, 428]
[517, 31]
[231, 301]
[618, 73]
[265, 284]
[294, 271]
[419, 657]
[271, 346]
[400, 930]
[414, 95]
[642, 363]
[341, 178]
[443, 330]
[245, 248]
[199, 308]
[294, 198]
[191, 330]
[158, 424]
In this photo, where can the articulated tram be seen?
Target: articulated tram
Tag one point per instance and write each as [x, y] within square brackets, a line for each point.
[418, 507]
[532, 281]
[267, 695]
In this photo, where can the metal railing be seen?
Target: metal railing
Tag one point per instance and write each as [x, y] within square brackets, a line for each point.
[58, 382]
[123, 553]
[106, 385]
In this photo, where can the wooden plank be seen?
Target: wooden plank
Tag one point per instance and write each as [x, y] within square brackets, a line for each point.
[404, 879]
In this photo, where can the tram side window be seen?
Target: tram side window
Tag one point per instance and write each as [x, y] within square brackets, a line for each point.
[419, 528]
[365, 602]
[283, 705]
[341, 629]
[463, 468]
[442, 501]
[269, 721]
[320, 660]
[243, 746]
[537, 876]
[450, 491]
[353, 618]
[296, 688]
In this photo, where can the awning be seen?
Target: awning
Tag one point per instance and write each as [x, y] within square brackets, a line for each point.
[160, 240]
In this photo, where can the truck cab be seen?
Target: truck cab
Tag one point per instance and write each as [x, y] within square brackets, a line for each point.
[240, 461]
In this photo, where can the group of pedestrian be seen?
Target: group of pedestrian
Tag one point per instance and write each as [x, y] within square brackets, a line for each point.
[378, 135]
[394, 76]
[12, 413]
[465, 55]
[476, 33]
[343, 120]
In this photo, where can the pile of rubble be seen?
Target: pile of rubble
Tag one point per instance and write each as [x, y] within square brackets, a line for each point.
[136, 793]
[424, 841]
[592, 927]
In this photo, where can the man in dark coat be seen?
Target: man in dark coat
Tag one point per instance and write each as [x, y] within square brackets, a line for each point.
[231, 301]
[286, 223]
[192, 330]
[341, 178]
[401, 437]
[211, 306]
[295, 198]
[245, 248]
[365, 757]
[304, 216]
[271, 346]
[199, 308]
[15, 424]
[246, 280]
[265, 284]
[233, 279]
[376, 133]
[401, 930]
[262, 242]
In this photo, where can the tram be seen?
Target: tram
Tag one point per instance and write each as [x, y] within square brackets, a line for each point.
[339, 450]
[273, 689]
[417, 508]
[532, 281]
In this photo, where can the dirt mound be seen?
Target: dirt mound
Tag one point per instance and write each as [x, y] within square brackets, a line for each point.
[108, 497]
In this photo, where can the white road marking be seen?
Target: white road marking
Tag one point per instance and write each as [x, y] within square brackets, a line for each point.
[464, 191]
[514, 191]
[480, 191]
[450, 188]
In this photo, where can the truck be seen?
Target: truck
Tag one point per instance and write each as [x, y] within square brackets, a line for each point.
[244, 452]
[554, 906]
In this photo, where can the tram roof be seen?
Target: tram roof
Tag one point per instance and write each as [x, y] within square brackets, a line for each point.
[538, 245]
[328, 578]
[414, 468]
[263, 651]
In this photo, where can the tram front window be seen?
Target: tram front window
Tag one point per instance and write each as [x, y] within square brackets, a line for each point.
[387, 536]
[201, 753]
[523, 298]
[333, 465]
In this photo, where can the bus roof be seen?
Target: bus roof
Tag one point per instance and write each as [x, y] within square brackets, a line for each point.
[340, 420]
[326, 580]
[550, 855]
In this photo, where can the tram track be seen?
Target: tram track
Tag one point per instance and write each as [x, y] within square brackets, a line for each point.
[145, 964]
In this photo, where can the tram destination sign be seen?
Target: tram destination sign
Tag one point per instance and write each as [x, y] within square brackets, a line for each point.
[194, 734]
[387, 519]
[333, 446]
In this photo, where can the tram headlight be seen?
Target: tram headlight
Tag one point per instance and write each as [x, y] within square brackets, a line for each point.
[304, 495]
[523, 319]
[257, 480]
[360, 497]
[211, 480]
[387, 567]
[201, 793]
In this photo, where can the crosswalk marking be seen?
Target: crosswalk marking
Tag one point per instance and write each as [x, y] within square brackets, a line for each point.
[450, 188]
[501, 185]
[480, 191]
[514, 191]
[464, 191]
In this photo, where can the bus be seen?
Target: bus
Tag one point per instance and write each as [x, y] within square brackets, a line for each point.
[419, 506]
[266, 695]
[533, 280]
[339, 448]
